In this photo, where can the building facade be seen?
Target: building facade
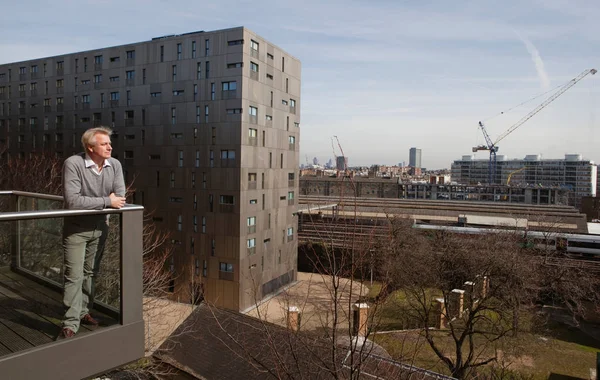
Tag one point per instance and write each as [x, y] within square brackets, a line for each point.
[573, 173]
[395, 188]
[206, 125]
[414, 158]
[341, 162]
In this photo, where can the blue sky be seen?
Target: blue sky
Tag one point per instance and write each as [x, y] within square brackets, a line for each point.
[380, 75]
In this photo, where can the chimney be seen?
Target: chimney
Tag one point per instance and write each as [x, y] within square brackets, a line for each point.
[469, 287]
[293, 318]
[360, 318]
[485, 286]
[456, 300]
[440, 309]
[482, 286]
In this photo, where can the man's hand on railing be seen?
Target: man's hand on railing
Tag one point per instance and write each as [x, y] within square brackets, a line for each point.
[116, 201]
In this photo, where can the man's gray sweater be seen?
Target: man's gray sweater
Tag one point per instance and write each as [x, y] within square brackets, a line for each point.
[85, 190]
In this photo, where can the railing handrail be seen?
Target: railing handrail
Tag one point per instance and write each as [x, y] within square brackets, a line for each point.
[44, 214]
[33, 195]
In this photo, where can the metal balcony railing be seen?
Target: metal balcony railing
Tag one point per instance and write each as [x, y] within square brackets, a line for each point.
[228, 94]
[31, 279]
[254, 75]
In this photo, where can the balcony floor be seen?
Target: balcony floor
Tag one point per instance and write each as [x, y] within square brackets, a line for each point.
[30, 314]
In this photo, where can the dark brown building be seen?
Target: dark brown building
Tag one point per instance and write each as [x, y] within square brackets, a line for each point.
[207, 128]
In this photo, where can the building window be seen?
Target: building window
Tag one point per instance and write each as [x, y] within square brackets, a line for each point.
[197, 163]
[114, 96]
[197, 114]
[229, 86]
[212, 159]
[235, 65]
[162, 53]
[180, 160]
[113, 79]
[251, 244]
[228, 155]
[199, 70]
[130, 74]
[173, 115]
[179, 52]
[232, 111]
[284, 102]
[227, 200]
[226, 267]
[174, 72]
[178, 92]
[172, 179]
[251, 224]
[204, 224]
[179, 222]
[115, 59]
[155, 94]
[254, 67]
[252, 111]
[206, 114]
[212, 91]
[195, 223]
[254, 45]
[195, 92]
[253, 201]
[197, 267]
[206, 47]
[206, 69]
[235, 42]
[270, 56]
[98, 78]
[252, 132]
[204, 268]
[193, 49]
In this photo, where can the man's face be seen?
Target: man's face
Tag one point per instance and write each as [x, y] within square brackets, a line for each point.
[102, 148]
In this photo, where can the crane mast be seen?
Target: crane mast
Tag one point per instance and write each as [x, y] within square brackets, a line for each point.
[492, 146]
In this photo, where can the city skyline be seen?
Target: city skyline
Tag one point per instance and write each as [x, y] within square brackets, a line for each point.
[382, 77]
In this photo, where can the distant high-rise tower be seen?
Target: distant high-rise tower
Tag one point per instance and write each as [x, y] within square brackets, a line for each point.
[341, 162]
[414, 158]
[315, 161]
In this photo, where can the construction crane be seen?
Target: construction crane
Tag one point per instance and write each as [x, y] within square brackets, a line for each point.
[493, 147]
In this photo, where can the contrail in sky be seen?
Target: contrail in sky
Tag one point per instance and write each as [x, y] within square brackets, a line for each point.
[537, 61]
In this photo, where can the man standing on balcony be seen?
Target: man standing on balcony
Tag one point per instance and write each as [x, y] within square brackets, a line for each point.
[92, 180]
